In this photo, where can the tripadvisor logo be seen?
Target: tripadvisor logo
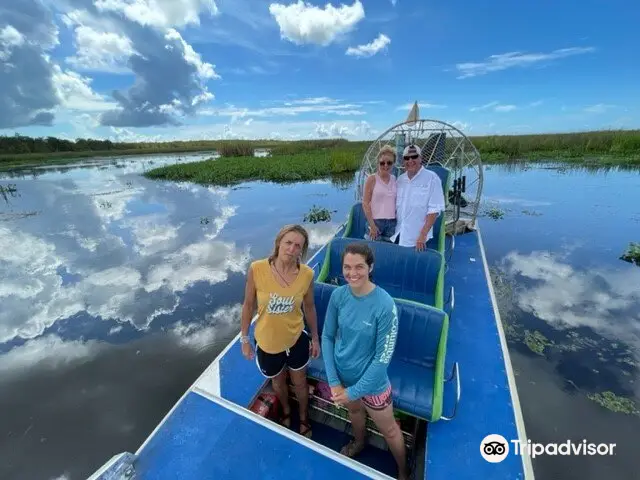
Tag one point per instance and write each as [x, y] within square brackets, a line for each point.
[494, 448]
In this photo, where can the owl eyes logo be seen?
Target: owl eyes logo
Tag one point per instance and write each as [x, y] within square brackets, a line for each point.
[494, 448]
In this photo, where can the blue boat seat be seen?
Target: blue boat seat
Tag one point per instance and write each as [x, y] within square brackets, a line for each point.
[416, 371]
[445, 176]
[398, 270]
[358, 226]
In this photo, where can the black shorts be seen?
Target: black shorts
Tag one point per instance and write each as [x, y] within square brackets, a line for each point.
[296, 358]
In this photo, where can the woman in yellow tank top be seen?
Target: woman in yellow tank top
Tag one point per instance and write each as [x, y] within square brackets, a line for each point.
[280, 286]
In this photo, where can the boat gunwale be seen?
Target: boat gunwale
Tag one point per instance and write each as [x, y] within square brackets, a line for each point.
[527, 464]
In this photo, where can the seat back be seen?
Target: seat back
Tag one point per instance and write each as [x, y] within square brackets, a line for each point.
[321, 295]
[422, 330]
[401, 270]
[357, 223]
[422, 334]
[437, 242]
[445, 175]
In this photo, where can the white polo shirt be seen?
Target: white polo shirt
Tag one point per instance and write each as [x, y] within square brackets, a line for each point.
[417, 198]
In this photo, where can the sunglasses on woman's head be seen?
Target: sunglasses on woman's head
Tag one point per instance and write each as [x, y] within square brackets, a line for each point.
[411, 157]
[387, 162]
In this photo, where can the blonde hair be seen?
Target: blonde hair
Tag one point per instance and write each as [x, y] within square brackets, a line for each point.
[283, 231]
[387, 150]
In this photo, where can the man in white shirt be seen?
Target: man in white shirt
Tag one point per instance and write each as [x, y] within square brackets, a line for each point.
[419, 201]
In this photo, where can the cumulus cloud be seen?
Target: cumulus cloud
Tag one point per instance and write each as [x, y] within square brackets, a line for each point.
[171, 81]
[159, 13]
[100, 50]
[75, 93]
[27, 91]
[302, 23]
[504, 61]
[371, 48]
[336, 130]
[116, 36]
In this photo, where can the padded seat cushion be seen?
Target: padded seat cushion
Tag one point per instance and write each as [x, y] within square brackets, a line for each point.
[398, 270]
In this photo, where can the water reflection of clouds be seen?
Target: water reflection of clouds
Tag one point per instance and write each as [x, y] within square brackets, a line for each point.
[115, 246]
[52, 353]
[606, 300]
[523, 202]
[320, 233]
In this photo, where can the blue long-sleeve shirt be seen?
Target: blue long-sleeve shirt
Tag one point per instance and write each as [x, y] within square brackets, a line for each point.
[358, 340]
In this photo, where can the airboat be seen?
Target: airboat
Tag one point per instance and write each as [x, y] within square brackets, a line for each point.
[453, 385]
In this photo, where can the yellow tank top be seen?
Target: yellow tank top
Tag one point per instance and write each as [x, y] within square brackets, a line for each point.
[280, 319]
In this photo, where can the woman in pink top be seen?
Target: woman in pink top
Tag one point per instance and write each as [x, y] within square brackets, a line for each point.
[379, 200]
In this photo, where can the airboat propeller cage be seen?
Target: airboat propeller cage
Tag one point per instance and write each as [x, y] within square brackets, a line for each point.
[443, 145]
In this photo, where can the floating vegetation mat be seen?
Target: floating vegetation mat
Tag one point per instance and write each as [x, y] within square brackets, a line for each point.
[632, 255]
[317, 214]
[615, 403]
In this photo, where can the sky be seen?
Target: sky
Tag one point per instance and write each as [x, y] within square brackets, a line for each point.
[156, 70]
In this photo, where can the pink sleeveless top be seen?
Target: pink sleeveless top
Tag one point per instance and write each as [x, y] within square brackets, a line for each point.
[383, 199]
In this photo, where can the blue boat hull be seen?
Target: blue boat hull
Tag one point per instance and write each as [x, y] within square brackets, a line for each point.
[211, 432]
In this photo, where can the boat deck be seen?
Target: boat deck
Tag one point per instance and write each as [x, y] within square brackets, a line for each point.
[476, 341]
[211, 434]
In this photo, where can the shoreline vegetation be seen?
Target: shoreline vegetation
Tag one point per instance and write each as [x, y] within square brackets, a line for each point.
[313, 159]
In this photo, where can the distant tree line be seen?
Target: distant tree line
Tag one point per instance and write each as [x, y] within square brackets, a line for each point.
[21, 144]
[18, 144]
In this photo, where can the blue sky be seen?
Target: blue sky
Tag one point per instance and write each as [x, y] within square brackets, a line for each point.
[207, 69]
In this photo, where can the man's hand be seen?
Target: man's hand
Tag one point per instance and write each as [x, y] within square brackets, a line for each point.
[421, 243]
[339, 395]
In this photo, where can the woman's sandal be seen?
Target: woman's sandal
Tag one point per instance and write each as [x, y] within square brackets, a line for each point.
[285, 421]
[351, 449]
[307, 432]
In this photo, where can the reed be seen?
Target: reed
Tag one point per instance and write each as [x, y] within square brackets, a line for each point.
[617, 146]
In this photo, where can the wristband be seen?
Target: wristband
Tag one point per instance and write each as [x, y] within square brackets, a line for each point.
[244, 339]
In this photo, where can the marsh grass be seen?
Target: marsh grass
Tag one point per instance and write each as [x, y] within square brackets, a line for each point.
[227, 171]
[235, 149]
[597, 149]
[614, 147]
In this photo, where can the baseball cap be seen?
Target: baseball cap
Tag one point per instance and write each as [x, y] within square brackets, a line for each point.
[411, 150]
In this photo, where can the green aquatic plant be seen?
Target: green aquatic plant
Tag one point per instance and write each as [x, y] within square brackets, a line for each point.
[536, 341]
[317, 214]
[276, 168]
[632, 255]
[495, 213]
[615, 403]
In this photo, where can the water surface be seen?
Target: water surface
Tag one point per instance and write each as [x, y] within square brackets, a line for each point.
[117, 292]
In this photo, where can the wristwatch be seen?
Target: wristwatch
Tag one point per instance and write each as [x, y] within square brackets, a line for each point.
[244, 339]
